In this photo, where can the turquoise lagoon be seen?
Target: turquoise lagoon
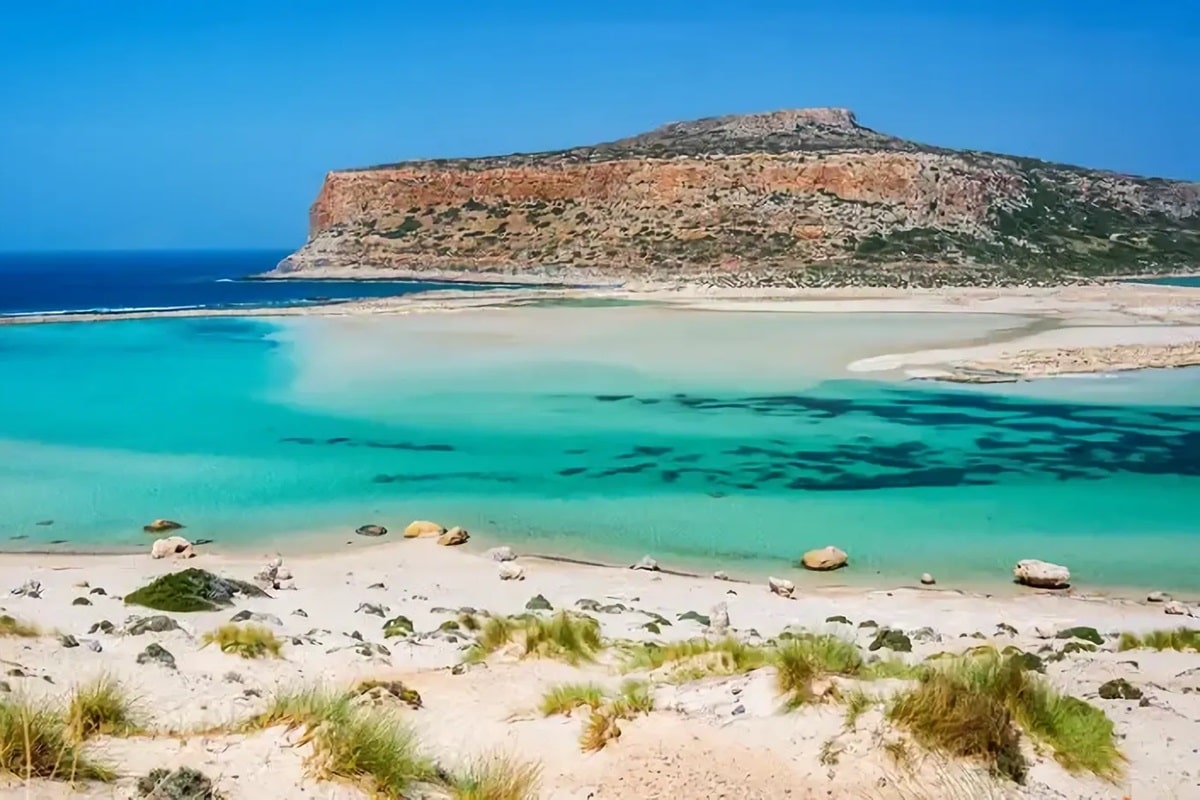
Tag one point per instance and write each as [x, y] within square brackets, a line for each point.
[708, 439]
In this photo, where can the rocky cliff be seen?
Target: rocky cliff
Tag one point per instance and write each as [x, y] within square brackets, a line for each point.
[805, 197]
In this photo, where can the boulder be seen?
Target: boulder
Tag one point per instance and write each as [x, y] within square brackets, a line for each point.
[538, 603]
[175, 546]
[371, 530]
[1157, 597]
[1041, 574]
[162, 526]
[503, 553]
[1176, 608]
[646, 563]
[927, 579]
[453, 537]
[1119, 689]
[892, 639]
[156, 654]
[826, 558]
[510, 571]
[720, 575]
[423, 528]
[158, 623]
[781, 586]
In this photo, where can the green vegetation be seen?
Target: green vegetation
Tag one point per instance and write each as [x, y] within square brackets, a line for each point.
[1177, 639]
[372, 747]
[800, 661]
[11, 626]
[693, 659]
[497, 778]
[857, 702]
[633, 698]
[191, 590]
[101, 708]
[36, 743]
[566, 697]
[566, 636]
[972, 707]
[247, 641]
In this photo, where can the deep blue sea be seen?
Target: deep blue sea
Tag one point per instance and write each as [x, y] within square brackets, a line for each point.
[38, 283]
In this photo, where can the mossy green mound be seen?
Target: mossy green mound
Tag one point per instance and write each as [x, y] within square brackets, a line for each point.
[191, 590]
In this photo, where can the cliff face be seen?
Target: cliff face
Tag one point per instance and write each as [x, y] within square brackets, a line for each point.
[792, 197]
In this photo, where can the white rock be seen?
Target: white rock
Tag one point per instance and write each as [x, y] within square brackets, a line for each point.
[781, 586]
[927, 579]
[285, 584]
[721, 575]
[30, 588]
[283, 574]
[1157, 597]
[719, 619]
[276, 562]
[1041, 574]
[647, 563]
[1177, 608]
[176, 546]
[502, 553]
[511, 571]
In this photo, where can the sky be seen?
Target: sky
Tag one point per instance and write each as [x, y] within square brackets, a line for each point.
[211, 123]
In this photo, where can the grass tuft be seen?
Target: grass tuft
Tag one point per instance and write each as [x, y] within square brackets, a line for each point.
[857, 703]
[566, 697]
[972, 707]
[802, 659]
[101, 708]
[373, 747]
[601, 728]
[566, 636]
[11, 626]
[35, 743]
[497, 777]
[1177, 639]
[694, 659]
[633, 698]
[247, 641]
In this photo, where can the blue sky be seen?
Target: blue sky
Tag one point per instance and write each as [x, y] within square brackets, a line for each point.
[210, 123]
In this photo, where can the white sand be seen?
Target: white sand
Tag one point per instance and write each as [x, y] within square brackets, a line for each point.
[695, 746]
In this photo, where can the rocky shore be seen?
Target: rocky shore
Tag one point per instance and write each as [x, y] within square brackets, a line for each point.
[616, 682]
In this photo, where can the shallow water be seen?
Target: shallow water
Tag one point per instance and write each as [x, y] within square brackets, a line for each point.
[705, 438]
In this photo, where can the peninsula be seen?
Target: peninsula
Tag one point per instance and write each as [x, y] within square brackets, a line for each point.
[799, 198]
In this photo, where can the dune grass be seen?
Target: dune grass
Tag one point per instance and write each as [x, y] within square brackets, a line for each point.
[35, 743]
[1176, 639]
[974, 706]
[857, 702]
[566, 697]
[565, 636]
[101, 708]
[496, 777]
[367, 746]
[633, 698]
[694, 659]
[11, 626]
[803, 659]
[248, 641]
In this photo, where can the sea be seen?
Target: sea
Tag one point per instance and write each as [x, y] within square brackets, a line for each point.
[707, 439]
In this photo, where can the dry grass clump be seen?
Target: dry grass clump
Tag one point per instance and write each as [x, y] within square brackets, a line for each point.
[801, 660]
[973, 707]
[101, 708]
[1177, 639]
[35, 743]
[372, 747]
[694, 659]
[247, 641]
[566, 697]
[565, 636]
[11, 626]
[497, 777]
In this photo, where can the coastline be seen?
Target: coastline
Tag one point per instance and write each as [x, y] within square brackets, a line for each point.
[331, 637]
[1102, 328]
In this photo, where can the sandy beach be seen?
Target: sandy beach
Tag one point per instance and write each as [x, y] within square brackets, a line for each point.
[714, 736]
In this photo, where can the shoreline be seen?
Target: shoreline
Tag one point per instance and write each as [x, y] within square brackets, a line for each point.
[1098, 328]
